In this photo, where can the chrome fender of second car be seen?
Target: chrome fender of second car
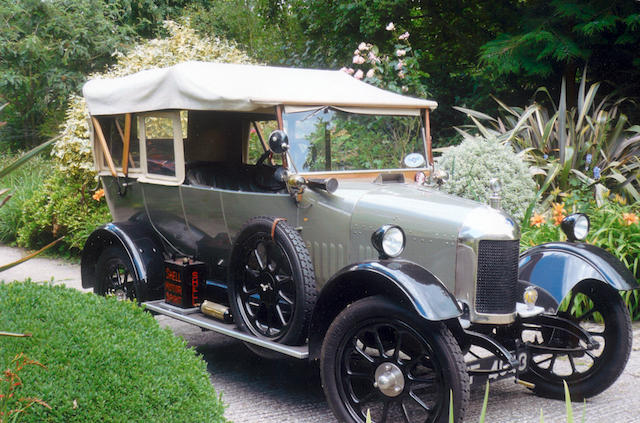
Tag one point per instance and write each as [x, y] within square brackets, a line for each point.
[559, 266]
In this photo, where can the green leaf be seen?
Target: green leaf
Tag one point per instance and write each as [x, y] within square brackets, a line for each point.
[26, 157]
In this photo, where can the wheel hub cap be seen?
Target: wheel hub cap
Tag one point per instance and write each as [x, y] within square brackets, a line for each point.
[389, 379]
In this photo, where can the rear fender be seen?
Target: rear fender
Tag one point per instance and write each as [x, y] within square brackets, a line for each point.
[406, 283]
[140, 243]
[559, 266]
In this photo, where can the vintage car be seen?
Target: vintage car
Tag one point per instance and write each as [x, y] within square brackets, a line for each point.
[329, 240]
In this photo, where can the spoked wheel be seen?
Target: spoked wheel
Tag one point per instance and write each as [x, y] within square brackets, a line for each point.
[380, 358]
[587, 372]
[115, 276]
[271, 283]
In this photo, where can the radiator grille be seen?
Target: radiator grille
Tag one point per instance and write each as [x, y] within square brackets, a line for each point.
[496, 288]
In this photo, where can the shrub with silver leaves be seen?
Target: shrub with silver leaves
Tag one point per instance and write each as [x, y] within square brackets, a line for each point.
[472, 165]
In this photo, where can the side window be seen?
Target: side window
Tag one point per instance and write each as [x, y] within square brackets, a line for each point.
[159, 144]
[255, 146]
[113, 128]
[162, 141]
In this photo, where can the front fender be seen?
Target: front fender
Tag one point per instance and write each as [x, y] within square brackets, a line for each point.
[559, 266]
[401, 281]
[141, 244]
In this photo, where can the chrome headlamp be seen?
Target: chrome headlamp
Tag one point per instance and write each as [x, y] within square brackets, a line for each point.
[389, 240]
[576, 226]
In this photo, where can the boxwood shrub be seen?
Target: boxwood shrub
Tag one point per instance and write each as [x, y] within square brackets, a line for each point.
[105, 360]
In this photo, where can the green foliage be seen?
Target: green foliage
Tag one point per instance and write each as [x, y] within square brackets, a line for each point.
[62, 206]
[592, 143]
[476, 161]
[266, 29]
[46, 49]
[105, 360]
[554, 38]
[23, 184]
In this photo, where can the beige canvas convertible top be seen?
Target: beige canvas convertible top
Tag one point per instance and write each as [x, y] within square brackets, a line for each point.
[245, 88]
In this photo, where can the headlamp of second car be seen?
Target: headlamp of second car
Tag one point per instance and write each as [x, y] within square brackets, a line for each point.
[389, 240]
[575, 227]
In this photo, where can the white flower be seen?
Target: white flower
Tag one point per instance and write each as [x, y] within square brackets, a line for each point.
[363, 46]
[373, 58]
[390, 26]
[401, 52]
[370, 73]
[404, 36]
[358, 60]
[344, 69]
[359, 74]
[405, 88]
[350, 71]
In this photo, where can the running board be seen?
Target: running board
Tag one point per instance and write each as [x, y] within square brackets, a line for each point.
[195, 317]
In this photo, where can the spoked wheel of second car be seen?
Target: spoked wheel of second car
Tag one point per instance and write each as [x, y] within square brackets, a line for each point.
[271, 283]
[598, 309]
[381, 359]
[115, 275]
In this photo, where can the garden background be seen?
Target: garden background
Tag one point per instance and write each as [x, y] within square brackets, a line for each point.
[552, 86]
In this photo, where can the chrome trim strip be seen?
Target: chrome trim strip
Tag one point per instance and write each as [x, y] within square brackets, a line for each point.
[229, 329]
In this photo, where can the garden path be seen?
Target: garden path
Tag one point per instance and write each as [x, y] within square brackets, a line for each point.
[289, 390]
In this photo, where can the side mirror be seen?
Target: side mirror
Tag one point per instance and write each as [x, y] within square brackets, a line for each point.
[278, 141]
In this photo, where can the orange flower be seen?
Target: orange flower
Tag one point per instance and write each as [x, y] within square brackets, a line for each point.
[98, 194]
[537, 220]
[558, 213]
[629, 218]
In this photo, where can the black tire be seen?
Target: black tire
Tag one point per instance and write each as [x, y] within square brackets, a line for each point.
[271, 282]
[360, 349]
[115, 275]
[587, 373]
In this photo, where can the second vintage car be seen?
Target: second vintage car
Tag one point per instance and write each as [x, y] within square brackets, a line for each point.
[329, 240]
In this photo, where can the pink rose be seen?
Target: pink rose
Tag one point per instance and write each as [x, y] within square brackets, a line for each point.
[401, 75]
[404, 36]
[344, 69]
[401, 52]
[400, 65]
[358, 60]
[390, 26]
[350, 71]
[359, 74]
[363, 46]
[373, 58]
[370, 73]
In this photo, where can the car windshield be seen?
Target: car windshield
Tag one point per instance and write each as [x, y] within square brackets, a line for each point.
[327, 139]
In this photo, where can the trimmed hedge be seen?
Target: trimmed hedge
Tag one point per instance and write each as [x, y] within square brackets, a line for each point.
[105, 360]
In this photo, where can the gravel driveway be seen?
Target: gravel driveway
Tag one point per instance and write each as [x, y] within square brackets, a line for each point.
[288, 390]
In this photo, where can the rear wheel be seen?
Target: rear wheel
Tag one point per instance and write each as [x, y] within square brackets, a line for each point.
[604, 315]
[115, 275]
[381, 359]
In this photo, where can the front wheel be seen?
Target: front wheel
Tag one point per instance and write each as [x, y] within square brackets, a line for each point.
[381, 359]
[600, 310]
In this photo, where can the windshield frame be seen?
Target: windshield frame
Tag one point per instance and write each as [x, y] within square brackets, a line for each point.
[424, 131]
